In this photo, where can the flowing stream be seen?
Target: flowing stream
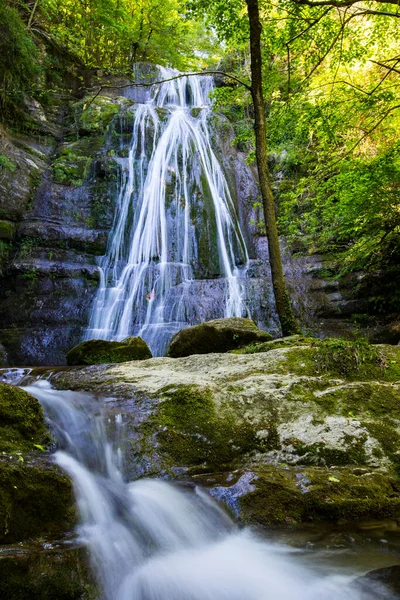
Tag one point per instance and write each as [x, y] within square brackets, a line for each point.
[174, 215]
[151, 540]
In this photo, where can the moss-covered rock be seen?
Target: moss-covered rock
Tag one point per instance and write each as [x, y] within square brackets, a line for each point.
[35, 498]
[286, 342]
[282, 495]
[22, 425]
[318, 436]
[220, 335]
[96, 352]
[7, 230]
[192, 432]
[51, 574]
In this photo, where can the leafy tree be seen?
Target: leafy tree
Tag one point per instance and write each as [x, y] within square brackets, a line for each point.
[18, 57]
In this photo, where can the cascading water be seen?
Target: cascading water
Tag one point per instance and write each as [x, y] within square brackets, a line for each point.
[149, 540]
[174, 211]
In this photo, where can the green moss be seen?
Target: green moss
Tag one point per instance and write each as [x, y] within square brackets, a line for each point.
[27, 246]
[287, 342]
[95, 115]
[6, 230]
[33, 500]
[300, 361]
[388, 437]
[320, 454]
[71, 169]
[353, 360]
[97, 352]
[368, 398]
[275, 501]
[46, 575]
[348, 358]
[5, 252]
[219, 335]
[192, 433]
[21, 420]
[5, 163]
[293, 495]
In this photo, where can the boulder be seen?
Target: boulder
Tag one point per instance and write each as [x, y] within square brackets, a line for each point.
[45, 571]
[97, 352]
[35, 496]
[36, 499]
[220, 335]
[381, 583]
[303, 432]
[22, 423]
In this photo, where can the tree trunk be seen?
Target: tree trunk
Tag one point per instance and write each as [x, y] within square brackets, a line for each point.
[283, 307]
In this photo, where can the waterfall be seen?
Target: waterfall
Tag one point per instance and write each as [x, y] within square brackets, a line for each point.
[173, 207]
[151, 540]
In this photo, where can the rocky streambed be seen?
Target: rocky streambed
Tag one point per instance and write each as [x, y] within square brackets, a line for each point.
[286, 433]
[283, 432]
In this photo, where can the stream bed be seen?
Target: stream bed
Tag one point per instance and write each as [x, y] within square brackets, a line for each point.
[150, 539]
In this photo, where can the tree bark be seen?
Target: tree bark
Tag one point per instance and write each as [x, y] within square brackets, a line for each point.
[283, 306]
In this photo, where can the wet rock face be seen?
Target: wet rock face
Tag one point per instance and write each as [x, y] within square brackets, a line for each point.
[96, 352]
[381, 583]
[57, 194]
[220, 335]
[283, 432]
[3, 356]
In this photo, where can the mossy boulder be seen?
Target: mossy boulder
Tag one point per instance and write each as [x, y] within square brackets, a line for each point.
[22, 425]
[381, 583]
[35, 499]
[312, 426]
[97, 352]
[51, 574]
[279, 495]
[220, 335]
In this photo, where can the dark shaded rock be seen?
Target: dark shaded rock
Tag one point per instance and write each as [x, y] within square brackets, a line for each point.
[385, 581]
[21, 420]
[55, 574]
[97, 352]
[3, 356]
[35, 499]
[220, 335]
[6, 230]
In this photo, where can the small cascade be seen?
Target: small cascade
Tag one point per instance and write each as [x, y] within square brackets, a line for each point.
[150, 540]
[174, 216]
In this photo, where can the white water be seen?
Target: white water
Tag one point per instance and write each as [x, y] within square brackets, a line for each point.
[150, 540]
[172, 187]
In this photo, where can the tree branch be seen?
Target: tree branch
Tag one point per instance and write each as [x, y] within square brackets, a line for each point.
[32, 14]
[341, 3]
[380, 64]
[366, 134]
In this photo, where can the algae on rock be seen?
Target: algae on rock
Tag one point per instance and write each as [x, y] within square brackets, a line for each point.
[22, 423]
[96, 352]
